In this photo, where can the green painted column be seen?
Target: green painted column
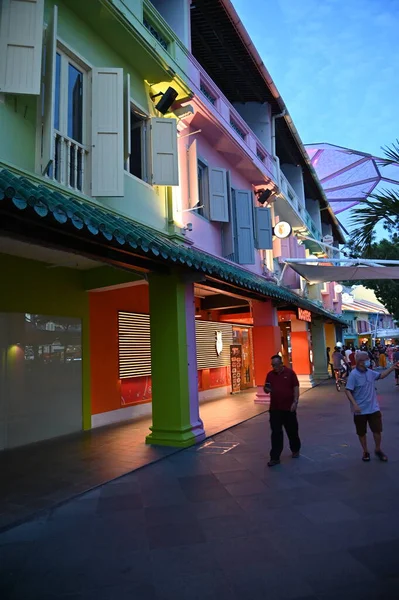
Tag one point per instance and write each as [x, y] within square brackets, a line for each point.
[319, 350]
[175, 405]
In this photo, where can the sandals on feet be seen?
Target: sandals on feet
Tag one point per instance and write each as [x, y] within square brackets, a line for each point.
[366, 457]
[383, 457]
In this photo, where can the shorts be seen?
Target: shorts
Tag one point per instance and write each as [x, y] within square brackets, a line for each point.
[397, 373]
[374, 420]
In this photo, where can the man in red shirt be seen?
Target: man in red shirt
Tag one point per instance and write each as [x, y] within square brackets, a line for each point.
[283, 386]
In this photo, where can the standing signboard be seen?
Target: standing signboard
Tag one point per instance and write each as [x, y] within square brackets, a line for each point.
[236, 364]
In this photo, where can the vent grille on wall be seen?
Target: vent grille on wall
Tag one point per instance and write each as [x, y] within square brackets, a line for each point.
[135, 346]
[207, 357]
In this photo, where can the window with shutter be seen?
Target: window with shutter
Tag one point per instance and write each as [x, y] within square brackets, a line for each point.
[65, 147]
[193, 175]
[107, 132]
[263, 229]
[127, 123]
[21, 39]
[51, 104]
[245, 231]
[228, 229]
[218, 197]
[163, 147]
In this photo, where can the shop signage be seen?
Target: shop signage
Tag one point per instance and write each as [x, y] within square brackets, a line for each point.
[328, 239]
[218, 342]
[282, 230]
[236, 364]
[347, 298]
[304, 315]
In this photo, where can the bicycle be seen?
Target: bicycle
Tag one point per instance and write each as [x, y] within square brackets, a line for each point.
[340, 380]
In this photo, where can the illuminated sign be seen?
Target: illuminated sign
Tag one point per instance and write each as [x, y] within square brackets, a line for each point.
[218, 342]
[282, 230]
[304, 315]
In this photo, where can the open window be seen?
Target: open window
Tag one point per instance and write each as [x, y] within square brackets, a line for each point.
[65, 143]
[238, 234]
[137, 161]
[208, 188]
[150, 145]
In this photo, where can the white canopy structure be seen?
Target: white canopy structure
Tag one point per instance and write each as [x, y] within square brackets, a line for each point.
[331, 269]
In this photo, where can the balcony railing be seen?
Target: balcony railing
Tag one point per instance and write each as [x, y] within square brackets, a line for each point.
[299, 208]
[206, 88]
[70, 160]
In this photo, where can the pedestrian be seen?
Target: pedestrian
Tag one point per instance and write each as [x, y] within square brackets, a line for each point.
[390, 351]
[329, 363]
[283, 386]
[383, 358]
[352, 358]
[338, 363]
[362, 394]
[396, 360]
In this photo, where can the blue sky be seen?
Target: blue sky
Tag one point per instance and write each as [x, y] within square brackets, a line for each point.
[335, 63]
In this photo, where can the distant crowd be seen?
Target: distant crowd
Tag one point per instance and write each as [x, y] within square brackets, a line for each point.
[343, 359]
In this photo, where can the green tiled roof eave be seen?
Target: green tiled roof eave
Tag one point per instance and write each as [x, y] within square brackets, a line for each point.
[101, 222]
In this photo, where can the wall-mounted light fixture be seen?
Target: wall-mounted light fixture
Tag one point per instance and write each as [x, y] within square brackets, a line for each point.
[166, 101]
[184, 111]
[187, 227]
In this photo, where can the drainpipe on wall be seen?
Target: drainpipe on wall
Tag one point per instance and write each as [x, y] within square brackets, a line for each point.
[275, 157]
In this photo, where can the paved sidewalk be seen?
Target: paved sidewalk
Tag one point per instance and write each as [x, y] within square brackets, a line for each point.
[41, 475]
[214, 523]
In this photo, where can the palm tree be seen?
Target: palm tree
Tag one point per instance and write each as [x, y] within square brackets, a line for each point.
[380, 208]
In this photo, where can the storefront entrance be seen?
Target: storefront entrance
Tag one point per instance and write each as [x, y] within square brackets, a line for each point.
[243, 336]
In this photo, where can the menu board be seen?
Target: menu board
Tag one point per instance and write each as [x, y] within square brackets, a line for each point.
[236, 364]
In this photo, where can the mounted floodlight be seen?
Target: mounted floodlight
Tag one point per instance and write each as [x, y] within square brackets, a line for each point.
[166, 101]
[264, 196]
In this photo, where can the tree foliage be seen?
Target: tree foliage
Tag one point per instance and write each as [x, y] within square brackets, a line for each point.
[378, 208]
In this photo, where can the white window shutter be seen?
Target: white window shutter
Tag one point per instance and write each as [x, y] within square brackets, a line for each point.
[49, 93]
[107, 132]
[218, 198]
[127, 144]
[21, 40]
[164, 164]
[193, 174]
[245, 231]
[263, 229]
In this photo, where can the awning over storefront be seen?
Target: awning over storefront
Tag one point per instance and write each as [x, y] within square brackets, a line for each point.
[82, 220]
[325, 273]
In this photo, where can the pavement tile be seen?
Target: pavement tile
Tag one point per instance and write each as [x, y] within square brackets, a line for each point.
[119, 502]
[216, 508]
[380, 558]
[199, 525]
[239, 476]
[169, 535]
[328, 511]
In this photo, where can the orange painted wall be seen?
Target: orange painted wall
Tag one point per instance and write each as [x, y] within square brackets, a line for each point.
[300, 352]
[104, 307]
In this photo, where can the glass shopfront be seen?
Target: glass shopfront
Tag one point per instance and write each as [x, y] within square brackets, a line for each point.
[243, 337]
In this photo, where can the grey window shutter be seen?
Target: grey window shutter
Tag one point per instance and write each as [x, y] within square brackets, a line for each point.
[228, 229]
[245, 230]
[218, 199]
[263, 229]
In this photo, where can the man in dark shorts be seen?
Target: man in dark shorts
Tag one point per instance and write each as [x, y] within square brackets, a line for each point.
[362, 396]
[283, 386]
